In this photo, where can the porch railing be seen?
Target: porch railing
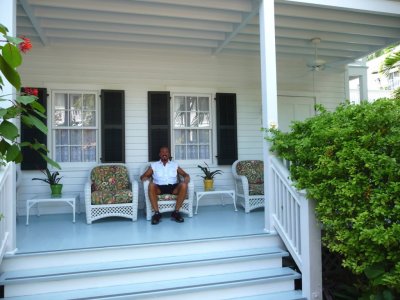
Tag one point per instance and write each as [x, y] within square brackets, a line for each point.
[293, 217]
[7, 190]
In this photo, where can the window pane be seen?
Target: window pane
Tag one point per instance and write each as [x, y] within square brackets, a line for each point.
[194, 119]
[61, 101]
[60, 118]
[179, 119]
[192, 152]
[76, 154]
[192, 136]
[180, 152]
[203, 104]
[89, 102]
[204, 152]
[179, 103]
[89, 154]
[204, 136]
[62, 137]
[75, 101]
[62, 154]
[75, 118]
[180, 136]
[76, 137]
[204, 119]
[89, 118]
[191, 103]
[89, 137]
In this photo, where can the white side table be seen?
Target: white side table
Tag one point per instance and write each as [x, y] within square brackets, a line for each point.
[70, 199]
[201, 193]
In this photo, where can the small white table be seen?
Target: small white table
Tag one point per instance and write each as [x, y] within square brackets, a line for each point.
[71, 199]
[202, 193]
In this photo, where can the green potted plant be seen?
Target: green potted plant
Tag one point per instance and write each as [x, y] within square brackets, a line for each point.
[208, 176]
[53, 179]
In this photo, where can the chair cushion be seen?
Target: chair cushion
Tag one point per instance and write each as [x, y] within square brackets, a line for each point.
[109, 178]
[256, 189]
[111, 197]
[166, 197]
[252, 169]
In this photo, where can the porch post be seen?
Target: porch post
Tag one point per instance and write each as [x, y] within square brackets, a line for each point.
[8, 18]
[269, 97]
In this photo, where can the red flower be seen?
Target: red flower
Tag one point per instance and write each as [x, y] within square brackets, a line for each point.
[31, 91]
[26, 45]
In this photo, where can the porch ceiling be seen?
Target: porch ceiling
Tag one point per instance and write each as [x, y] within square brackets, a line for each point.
[215, 26]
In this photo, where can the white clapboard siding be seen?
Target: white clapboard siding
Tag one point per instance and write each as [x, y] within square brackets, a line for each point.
[139, 70]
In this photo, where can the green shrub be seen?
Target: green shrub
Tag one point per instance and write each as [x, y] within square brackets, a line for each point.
[349, 162]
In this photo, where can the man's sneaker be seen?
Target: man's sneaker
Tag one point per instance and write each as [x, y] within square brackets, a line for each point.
[177, 217]
[155, 219]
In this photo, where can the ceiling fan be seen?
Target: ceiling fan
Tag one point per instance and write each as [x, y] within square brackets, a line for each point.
[316, 64]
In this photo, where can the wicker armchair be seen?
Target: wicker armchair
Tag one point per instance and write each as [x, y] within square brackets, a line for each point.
[109, 193]
[167, 202]
[249, 183]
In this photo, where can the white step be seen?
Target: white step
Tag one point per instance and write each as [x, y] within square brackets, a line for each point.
[86, 276]
[291, 295]
[243, 266]
[221, 286]
[123, 253]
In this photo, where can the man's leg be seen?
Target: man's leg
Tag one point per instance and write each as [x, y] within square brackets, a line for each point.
[154, 191]
[180, 191]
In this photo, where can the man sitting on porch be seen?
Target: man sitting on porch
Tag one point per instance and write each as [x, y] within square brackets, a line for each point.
[165, 181]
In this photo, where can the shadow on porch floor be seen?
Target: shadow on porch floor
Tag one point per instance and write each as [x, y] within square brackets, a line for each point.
[57, 232]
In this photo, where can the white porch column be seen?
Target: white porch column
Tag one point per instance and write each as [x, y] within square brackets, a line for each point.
[8, 17]
[269, 96]
[357, 70]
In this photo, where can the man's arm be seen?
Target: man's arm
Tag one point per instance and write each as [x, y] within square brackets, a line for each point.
[184, 174]
[146, 175]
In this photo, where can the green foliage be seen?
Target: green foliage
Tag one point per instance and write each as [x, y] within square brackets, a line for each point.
[24, 106]
[51, 177]
[396, 93]
[349, 162]
[208, 174]
[391, 61]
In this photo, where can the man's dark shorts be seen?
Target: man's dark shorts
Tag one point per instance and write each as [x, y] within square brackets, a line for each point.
[167, 189]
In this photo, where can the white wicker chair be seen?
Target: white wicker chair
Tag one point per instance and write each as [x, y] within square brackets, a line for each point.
[98, 211]
[167, 205]
[249, 199]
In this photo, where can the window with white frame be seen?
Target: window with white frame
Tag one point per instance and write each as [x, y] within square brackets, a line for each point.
[75, 126]
[192, 126]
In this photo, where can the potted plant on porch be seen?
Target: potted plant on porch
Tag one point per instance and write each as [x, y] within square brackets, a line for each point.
[208, 176]
[53, 179]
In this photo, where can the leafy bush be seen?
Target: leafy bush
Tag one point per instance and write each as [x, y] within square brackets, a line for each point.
[349, 162]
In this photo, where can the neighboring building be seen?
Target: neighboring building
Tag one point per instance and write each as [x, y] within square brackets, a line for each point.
[379, 85]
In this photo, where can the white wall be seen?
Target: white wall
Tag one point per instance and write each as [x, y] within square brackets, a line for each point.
[138, 71]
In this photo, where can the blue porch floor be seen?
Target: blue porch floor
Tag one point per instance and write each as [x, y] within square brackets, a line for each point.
[57, 232]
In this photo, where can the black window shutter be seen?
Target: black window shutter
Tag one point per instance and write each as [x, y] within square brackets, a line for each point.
[31, 159]
[226, 128]
[112, 126]
[158, 123]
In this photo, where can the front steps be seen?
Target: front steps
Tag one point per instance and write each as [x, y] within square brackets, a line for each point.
[243, 267]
